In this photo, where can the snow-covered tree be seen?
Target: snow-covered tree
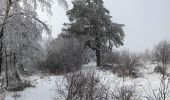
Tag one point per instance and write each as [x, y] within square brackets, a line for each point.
[21, 41]
[90, 20]
[13, 14]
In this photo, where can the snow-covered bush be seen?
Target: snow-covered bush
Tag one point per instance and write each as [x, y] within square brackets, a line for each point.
[82, 86]
[162, 55]
[129, 65]
[63, 55]
[124, 63]
[124, 93]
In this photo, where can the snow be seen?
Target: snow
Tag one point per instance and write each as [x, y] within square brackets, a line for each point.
[45, 86]
[44, 90]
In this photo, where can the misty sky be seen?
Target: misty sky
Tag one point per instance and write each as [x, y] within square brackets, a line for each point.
[146, 21]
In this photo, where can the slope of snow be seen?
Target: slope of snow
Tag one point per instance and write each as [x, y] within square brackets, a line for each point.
[45, 87]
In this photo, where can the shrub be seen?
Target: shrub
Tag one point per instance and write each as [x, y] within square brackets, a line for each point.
[64, 55]
[82, 86]
[123, 63]
[162, 55]
[129, 63]
[159, 69]
[21, 86]
[124, 93]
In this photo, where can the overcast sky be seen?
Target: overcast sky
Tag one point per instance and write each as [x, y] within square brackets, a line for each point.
[146, 21]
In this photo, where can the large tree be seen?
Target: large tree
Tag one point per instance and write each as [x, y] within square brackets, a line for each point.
[19, 9]
[90, 20]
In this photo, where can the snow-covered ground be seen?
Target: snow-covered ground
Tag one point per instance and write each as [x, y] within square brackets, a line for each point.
[45, 86]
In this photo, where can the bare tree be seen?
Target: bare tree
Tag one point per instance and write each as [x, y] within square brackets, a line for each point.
[162, 55]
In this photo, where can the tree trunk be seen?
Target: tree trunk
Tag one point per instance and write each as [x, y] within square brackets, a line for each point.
[98, 60]
[8, 6]
[15, 68]
[6, 65]
[1, 47]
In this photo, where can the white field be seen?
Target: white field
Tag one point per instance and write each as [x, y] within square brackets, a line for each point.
[45, 86]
